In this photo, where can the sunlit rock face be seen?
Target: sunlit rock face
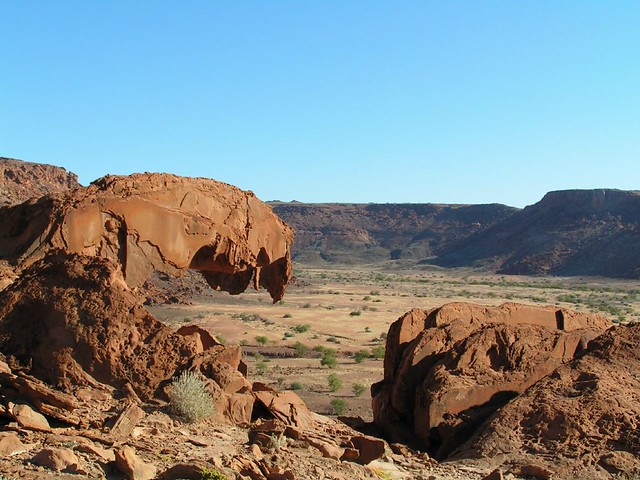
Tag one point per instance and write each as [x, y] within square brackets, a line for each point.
[160, 222]
[448, 369]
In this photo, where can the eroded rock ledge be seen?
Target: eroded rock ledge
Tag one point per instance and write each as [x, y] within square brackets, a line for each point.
[160, 222]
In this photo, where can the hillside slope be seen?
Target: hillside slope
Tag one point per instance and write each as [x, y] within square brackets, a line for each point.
[570, 232]
[369, 233]
[20, 181]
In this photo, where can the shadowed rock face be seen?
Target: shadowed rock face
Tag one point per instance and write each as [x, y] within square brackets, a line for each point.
[160, 222]
[446, 370]
[71, 320]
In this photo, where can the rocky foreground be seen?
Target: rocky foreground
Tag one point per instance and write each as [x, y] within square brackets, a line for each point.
[469, 392]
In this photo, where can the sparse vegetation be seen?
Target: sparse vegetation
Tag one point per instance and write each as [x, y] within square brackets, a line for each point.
[358, 389]
[329, 359]
[335, 383]
[212, 474]
[189, 398]
[378, 352]
[262, 340]
[297, 386]
[338, 405]
[361, 355]
[301, 328]
[355, 313]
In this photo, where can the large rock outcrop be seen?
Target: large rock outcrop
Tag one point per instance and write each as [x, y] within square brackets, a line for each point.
[581, 422]
[159, 222]
[20, 181]
[71, 320]
[448, 369]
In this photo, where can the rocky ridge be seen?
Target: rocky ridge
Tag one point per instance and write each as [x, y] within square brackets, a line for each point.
[571, 232]
[20, 181]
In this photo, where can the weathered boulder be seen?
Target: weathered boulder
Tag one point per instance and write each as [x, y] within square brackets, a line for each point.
[582, 421]
[160, 222]
[72, 320]
[448, 369]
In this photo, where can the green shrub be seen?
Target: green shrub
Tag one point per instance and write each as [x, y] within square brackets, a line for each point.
[356, 313]
[358, 389]
[302, 328]
[301, 349]
[335, 383]
[189, 398]
[212, 474]
[361, 356]
[297, 386]
[287, 315]
[329, 360]
[261, 368]
[378, 352]
[338, 405]
[262, 340]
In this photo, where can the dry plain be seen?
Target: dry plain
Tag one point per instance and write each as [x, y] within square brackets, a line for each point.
[349, 310]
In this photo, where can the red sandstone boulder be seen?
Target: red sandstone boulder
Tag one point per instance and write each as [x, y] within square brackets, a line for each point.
[579, 422]
[448, 369]
[72, 320]
[156, 222]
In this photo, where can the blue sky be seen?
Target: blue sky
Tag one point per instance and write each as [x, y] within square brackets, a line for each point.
[330, 101]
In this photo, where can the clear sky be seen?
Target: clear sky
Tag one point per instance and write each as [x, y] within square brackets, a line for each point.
[330, 101]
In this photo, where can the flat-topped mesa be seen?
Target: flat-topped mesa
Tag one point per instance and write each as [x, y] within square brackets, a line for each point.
[160, 222]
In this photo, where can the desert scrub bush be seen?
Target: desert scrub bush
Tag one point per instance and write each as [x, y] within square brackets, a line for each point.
[358, 389]
[338, 405]
[361, 355]
[378, 352]
[329, 359]
[287, 315]
[355, 313]
[301, 349]
[261, 368]
[212, 474]
[189, 398]
[334, 382]
[296, 386]
[302, 328]
[262, 340]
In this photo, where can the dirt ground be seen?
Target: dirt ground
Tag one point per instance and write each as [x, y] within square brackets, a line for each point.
[350, 310]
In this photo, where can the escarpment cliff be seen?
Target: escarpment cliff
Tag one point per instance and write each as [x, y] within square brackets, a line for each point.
[571, 232]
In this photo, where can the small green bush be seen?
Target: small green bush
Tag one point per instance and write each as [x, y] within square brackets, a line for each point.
[301, 349]
[212, 474]
[356, 313]
[329, 360]
[335, 383]
[302, 328]
[262, 340]
[378, 352]
[358, 389]
[338, 405]
[361, 356]
[297, 386]
[189, 398]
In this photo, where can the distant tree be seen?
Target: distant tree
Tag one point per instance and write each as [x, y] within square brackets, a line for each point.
[378, 352]
[262, 340]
